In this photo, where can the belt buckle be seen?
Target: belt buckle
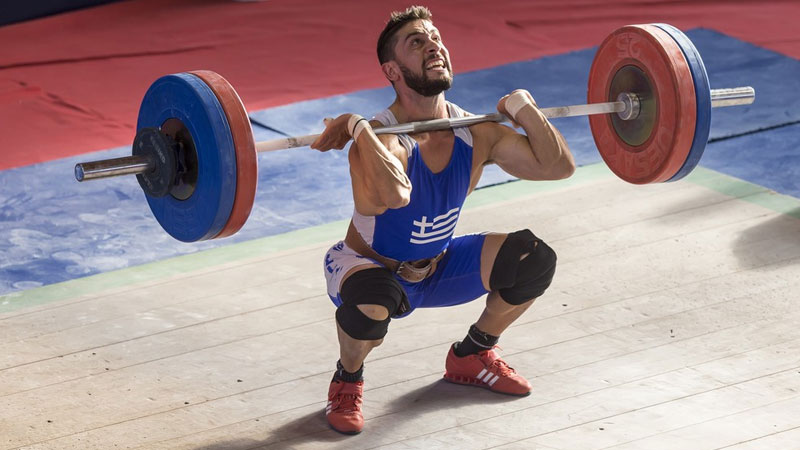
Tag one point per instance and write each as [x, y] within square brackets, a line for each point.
[407, 271]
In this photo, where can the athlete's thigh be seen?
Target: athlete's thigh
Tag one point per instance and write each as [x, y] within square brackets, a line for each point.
[457, 279]
[341, 262]
[491, 246]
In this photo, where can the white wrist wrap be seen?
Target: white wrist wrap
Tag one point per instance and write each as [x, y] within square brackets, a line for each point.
[515, 102]
[356, 124]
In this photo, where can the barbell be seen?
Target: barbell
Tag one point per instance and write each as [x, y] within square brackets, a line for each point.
[649, 108]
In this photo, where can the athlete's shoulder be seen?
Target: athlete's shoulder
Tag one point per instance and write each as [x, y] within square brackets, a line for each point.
[384, 118]
[457, 111]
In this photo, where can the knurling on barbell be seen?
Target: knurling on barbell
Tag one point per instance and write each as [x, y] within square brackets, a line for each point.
[649, 111]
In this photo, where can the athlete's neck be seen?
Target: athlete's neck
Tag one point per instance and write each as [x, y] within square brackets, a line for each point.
[410, 107]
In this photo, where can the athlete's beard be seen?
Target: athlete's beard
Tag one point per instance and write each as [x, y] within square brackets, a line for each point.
[425, 86]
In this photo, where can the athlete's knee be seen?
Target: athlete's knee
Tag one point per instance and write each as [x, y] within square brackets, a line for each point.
[523, 269]
[369, 298]
[358, 325]
[374, 312]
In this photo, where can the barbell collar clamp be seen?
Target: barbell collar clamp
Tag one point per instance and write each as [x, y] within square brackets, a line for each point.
[632, 106]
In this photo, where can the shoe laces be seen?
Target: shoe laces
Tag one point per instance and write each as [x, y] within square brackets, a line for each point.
[498, 366]
[347, 401]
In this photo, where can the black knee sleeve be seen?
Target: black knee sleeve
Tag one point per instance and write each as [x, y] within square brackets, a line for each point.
[358, 325]
[519, 280]
[376, 286]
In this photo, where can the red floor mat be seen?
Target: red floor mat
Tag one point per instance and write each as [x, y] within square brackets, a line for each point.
[72, 83]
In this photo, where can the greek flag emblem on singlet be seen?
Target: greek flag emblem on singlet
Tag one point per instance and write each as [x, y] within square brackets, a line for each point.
[441, 227]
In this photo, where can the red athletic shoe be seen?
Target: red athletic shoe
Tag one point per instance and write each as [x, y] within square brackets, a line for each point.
[485, 370]
[344, 406]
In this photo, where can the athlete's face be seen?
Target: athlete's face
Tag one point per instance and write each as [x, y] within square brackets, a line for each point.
[423, 59]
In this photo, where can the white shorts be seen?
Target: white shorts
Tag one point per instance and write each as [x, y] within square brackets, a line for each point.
[338, 261]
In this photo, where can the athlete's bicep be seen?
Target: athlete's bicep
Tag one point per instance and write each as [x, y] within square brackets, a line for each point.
[366, 183]
[364, 198]
[512, 152]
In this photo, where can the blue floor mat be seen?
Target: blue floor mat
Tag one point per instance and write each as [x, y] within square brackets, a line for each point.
[55, 229]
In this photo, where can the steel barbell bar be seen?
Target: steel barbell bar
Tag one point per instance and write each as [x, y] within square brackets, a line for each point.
[626, 106]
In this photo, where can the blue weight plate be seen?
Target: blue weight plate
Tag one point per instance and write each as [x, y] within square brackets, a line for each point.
[203, 214]
[702, 90]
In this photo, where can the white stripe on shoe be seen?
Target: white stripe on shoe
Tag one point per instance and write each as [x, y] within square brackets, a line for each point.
[496, 377]
[480, 375]
[488, 377]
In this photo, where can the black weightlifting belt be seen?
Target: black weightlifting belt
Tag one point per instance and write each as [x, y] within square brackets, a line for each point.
[411, 271]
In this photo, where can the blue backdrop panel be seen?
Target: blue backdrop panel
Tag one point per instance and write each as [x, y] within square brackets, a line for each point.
[53, 228]
[20, 11]
[769, 158]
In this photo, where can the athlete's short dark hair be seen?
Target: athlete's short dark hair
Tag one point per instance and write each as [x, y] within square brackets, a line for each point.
[387, 39]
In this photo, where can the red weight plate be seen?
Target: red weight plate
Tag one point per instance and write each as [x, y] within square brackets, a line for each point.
[246, 160]
[673, 103]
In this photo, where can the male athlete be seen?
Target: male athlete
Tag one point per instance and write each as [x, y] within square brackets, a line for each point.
[399, 253]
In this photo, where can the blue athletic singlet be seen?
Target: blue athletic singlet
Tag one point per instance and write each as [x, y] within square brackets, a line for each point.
[421, 229]
[424, 227]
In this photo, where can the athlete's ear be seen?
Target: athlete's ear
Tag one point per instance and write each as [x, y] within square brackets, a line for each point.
[391, 70]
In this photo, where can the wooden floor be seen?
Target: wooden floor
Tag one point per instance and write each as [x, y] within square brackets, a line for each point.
[673, 323]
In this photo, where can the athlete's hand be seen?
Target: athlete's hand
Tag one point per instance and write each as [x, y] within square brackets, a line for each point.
[501, 105]
[336, 134]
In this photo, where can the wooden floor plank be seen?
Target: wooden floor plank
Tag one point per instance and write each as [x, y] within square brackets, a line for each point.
[735, 427]
[430, 361]
[788, 439]
[596, 409]
[677, 293]
[53, 318]
[641, 428]
[427, 397]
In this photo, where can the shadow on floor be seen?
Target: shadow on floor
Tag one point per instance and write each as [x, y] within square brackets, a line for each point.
[441, 395]
[773, 243]
[312, 429]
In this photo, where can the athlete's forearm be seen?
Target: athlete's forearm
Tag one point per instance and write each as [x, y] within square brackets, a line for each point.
[547, 144]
